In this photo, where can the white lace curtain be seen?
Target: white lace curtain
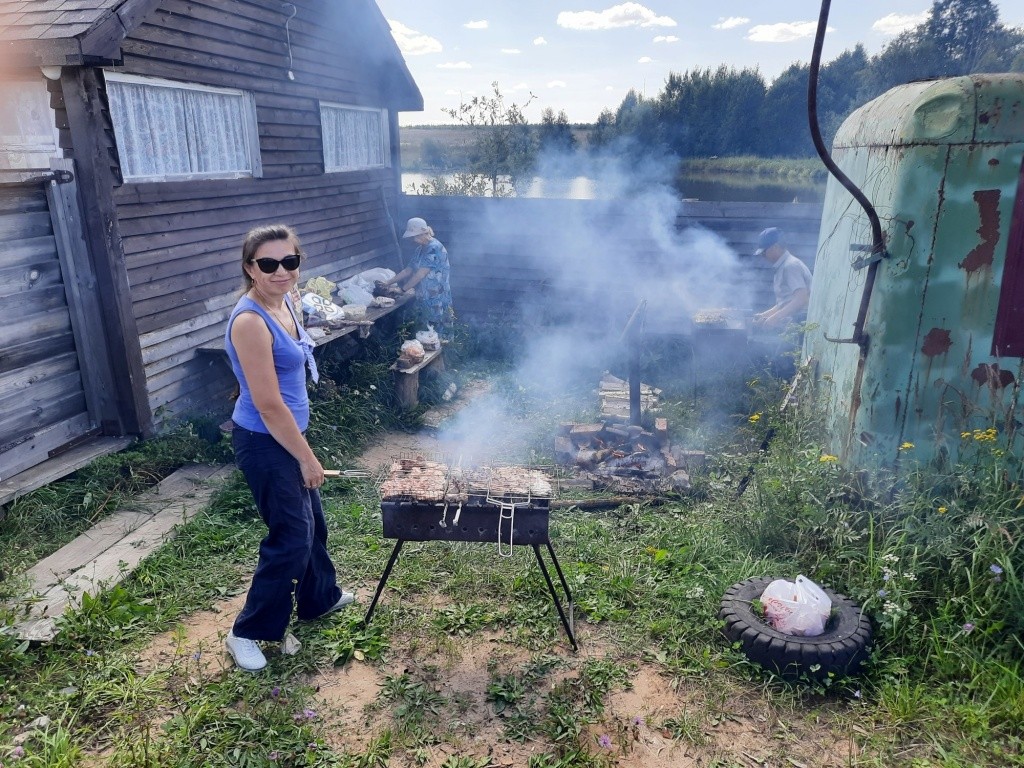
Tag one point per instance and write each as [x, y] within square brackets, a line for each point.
[353, 138]
[166, 132]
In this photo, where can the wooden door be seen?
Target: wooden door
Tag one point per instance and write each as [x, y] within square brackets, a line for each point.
[43, 404]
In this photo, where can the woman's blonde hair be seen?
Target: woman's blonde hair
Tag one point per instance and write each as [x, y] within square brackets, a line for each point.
[256, 237]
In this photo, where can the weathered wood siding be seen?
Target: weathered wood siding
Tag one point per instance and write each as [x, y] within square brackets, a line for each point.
[507, 253]
[42, 397]
[182, 240]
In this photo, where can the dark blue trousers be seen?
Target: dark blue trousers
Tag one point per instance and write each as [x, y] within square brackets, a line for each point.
[294, 562]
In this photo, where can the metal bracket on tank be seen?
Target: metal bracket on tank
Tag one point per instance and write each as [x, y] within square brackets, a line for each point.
[866, 261]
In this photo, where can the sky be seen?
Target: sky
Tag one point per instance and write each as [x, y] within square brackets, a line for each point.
[583, 56]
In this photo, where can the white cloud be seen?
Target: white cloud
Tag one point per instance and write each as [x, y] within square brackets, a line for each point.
[511, 51]
[644, 60]
[482, 24]
[558, 84]
[784, 32]
[452, 92]
[455, 65]
[624, 15]
[895, 23]
[666, 39]
[539, 41]
[731, 22]
[413, 43]
[520, 87]
[609, 87]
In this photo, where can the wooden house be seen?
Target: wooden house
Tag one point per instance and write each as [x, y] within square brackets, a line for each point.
[140, 140]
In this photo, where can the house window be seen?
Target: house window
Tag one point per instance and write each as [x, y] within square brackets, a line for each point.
[1008, 339]
[170, 131]
[354, 138]
[28, 136]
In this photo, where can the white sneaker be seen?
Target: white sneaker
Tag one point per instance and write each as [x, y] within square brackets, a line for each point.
[245, 652]
[345, 599]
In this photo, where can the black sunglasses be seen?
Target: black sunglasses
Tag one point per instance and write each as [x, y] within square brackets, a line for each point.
[269, 266]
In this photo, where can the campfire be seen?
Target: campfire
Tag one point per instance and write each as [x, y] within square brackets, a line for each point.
[625, 457]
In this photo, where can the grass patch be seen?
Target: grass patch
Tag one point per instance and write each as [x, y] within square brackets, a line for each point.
[934, 558]
[782, 168]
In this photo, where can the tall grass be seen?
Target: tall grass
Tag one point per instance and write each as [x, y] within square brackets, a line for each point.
[782, 168]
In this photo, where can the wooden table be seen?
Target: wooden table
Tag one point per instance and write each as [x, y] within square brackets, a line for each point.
[360, 327]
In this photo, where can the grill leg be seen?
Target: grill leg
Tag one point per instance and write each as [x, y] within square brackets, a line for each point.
[567, 622]
[384, 579]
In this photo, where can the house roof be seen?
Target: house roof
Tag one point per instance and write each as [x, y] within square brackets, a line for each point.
[83, 32]
[66, 32]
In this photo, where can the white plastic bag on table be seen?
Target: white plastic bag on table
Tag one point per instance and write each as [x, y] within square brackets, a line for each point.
[366, 280]
[315, 305]
[370, 276]
[354, 293]
[800, 608]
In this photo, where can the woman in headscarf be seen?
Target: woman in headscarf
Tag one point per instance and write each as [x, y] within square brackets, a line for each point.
[427, 277]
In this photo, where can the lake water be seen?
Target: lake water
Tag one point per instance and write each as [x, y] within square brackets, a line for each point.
[723, 187]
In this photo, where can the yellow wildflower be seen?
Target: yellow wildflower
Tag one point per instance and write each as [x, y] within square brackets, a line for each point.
[943, 510]
[755, 418]
[965, 435]
[906, 446]
[828, 458]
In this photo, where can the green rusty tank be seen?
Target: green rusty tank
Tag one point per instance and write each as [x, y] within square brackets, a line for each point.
[943, 333]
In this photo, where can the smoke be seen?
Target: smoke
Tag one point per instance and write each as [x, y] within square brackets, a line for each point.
[590, 264]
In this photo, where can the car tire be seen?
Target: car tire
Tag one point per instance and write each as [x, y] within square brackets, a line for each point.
[839, 651]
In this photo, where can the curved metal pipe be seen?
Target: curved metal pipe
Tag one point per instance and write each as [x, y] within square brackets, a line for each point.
[878, 242]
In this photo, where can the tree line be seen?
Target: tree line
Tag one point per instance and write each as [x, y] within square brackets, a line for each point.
[728, 111]
[725, 111]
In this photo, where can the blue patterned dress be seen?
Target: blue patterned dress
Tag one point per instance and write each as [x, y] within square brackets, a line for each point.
[433, 292]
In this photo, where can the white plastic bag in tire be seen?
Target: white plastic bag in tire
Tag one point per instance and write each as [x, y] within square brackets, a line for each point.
[800, 608]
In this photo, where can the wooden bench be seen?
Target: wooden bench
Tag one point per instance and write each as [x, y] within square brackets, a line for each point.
[361, 328]
[407, 380]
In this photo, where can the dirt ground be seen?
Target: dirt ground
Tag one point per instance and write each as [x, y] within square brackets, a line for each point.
[737, 727]
[744, 729]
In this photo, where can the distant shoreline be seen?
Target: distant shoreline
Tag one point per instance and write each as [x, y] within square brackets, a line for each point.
[419, 142]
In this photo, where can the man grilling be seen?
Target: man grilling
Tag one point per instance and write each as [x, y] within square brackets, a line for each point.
[791, 282]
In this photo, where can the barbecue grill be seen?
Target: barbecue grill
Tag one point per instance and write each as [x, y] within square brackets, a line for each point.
[428, 500]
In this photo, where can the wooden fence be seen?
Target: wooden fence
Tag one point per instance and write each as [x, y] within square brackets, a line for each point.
[520, 256]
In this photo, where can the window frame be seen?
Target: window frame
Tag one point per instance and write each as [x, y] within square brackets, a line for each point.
[385, 137]
[250, 128]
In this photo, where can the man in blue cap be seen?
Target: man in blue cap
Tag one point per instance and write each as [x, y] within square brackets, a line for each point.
[791, 282]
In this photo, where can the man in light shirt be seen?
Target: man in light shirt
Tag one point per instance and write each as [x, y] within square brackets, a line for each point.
[791, 282]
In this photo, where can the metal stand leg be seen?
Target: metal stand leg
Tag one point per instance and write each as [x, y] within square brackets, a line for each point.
[384, 579]
[567, 622]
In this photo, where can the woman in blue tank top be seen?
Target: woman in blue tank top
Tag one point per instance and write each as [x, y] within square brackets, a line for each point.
[269, 353]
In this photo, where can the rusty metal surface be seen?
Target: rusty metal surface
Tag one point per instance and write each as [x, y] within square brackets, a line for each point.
[941, 163]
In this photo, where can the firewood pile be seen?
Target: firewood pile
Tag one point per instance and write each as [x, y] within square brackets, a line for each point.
[626, 458]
